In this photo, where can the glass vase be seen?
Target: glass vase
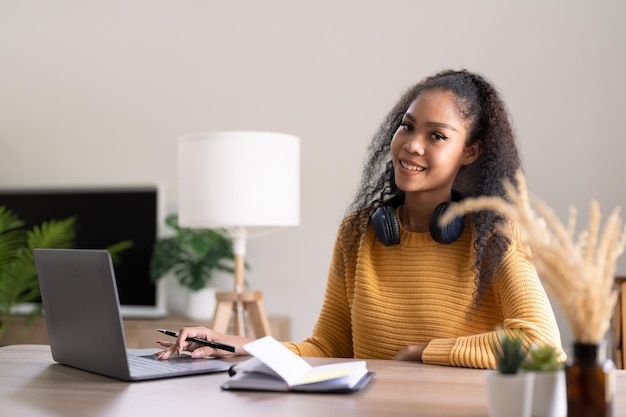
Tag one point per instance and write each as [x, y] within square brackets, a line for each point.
[590, 382]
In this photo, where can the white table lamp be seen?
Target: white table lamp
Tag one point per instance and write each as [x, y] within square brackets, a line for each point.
[238, 180]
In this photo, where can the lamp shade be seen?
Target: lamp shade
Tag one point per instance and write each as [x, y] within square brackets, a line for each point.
[231, 179]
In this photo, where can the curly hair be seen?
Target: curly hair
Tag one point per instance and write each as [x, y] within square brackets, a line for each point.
[480, 105]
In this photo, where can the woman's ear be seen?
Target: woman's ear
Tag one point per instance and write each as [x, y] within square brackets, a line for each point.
[472, 152]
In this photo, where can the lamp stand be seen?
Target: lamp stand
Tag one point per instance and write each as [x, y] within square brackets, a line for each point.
[240, 301]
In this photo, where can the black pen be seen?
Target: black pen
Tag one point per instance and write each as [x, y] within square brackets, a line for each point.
[210, 343]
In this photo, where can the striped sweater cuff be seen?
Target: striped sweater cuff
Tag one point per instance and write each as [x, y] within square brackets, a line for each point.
[438, 352]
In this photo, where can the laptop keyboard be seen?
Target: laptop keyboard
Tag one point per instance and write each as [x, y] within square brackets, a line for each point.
[140, 366]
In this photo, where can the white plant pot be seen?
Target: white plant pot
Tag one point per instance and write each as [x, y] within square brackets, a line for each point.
[510, 395]
[196, 305]
[200, 305]
[550, 395]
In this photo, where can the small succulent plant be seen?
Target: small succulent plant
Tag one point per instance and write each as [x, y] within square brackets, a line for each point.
[509, 351]
[544, 358]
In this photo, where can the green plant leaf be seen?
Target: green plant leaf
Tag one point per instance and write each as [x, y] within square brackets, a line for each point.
[12, 236]
[193, 255]
[53, 234]
[544, 358]
[117, 248]
[509, 350]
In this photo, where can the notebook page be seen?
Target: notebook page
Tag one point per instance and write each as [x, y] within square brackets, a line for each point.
[289, 366]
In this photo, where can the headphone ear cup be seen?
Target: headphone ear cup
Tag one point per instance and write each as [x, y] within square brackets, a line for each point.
[386, 225]
[451, 231]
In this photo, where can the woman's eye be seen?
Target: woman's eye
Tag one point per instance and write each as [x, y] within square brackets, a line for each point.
[438, 136]
[405, 126]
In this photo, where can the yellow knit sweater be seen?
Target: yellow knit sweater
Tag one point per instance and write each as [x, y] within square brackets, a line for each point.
[380, 299]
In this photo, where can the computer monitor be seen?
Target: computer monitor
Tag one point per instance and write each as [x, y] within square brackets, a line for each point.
[104, 216]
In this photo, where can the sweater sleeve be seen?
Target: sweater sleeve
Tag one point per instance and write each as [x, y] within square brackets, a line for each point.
[332, 335]
[519, 297]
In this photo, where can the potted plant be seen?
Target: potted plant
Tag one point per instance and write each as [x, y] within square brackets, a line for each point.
[509, 390]
[192, 256]
[550, 396]
[18, 275]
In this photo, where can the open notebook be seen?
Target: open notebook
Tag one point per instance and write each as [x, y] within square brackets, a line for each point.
[85, 329]
[275, 368]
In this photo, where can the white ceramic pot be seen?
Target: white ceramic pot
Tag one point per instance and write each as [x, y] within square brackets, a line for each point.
[196, 305]
[550, 395]
[510, 395]
[200, 305]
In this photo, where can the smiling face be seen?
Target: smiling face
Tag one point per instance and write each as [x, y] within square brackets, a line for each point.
[429, 147]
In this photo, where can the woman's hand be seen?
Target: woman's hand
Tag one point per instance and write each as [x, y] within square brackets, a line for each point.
[410, 353]
[199, 351]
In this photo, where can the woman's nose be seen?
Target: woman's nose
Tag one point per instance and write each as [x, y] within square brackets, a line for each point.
[414, 144]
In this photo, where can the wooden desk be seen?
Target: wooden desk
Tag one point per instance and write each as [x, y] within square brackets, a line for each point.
[32, 385]
[139, 333]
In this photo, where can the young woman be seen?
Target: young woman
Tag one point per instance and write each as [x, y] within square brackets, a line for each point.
[402, 286]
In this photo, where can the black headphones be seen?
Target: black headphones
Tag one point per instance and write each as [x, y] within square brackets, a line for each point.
[388, 230]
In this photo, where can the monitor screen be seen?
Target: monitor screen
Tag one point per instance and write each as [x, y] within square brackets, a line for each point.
[104, 216]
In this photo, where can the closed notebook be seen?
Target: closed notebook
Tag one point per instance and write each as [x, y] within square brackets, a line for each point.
[276, 368]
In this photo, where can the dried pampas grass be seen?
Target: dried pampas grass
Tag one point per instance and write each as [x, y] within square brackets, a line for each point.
[578, 271]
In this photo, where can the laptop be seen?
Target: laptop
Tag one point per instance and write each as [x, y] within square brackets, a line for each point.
[85, 328]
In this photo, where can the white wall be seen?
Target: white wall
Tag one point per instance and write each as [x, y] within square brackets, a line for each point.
[97, 92]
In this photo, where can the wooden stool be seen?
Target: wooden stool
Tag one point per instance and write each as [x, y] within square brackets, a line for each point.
[250, 301]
